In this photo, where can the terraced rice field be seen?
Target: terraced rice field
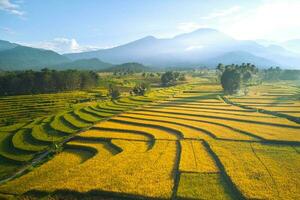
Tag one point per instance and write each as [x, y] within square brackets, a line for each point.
[282, 98]
[183, 142]
[24, 108]
[22, 142]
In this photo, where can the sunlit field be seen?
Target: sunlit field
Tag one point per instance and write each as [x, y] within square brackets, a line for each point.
[149, 100]
[283, 98]
[180, 142]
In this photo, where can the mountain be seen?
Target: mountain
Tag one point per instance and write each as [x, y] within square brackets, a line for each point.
[239, 57]
[292, 45]
[128, 68]
[5, 45]
[83, 64]
[17, 57]
[120, 54]
[191, 49]
[204, 37]
[21, 57]
[153, 51]
[202, 46]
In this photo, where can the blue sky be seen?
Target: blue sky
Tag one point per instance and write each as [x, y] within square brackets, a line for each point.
[78, 25]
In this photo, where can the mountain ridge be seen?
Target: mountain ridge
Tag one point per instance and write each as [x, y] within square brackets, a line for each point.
[22, 58]
[83, 64]
[190, 49]
[5, 45]
[184, 50]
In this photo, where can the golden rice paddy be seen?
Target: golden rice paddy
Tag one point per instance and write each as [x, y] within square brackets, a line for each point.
[183, 142]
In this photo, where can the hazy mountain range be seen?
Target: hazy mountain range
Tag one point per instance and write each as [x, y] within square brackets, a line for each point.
[291, 45]
[203, 47]
[17, 57]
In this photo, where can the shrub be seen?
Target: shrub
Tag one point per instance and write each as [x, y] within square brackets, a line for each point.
[113, 92]
[141, 89]
[170, 78]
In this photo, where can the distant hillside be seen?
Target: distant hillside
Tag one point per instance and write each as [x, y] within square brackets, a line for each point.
[134, 51]
[239, 57]
[17, 57]
[191, 49]
[21, 58]
[292, 45]
[128, 68]
[5, 45]
[83, 64]
[201, 47]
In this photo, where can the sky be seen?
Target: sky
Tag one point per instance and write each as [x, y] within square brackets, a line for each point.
[81, 25]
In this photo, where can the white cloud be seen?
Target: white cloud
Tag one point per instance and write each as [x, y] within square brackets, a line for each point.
[276, 20]
[222, 13]
[10, 7]
[189, 26]
[63, 45]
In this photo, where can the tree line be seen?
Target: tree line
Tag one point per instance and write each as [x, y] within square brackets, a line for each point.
[276, 73]
[235, 77]
[46, 81]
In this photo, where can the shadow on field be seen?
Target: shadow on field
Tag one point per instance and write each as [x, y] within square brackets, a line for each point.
[74, 195]
[230, 119]
[277, 114]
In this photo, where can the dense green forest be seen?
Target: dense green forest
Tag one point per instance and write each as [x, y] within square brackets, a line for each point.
[45, 81]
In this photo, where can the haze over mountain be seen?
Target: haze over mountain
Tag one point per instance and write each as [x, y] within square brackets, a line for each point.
[292, 45]
[199, 47]
[203, 47]
[237, 57]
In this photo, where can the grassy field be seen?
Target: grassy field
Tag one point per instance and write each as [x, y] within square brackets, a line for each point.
[179, 142]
